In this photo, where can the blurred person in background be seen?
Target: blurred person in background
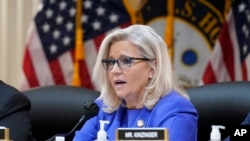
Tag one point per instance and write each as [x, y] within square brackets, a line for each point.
[14, 113]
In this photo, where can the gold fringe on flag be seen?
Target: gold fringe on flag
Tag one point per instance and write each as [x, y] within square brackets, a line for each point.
[228, 4]
[79, 48]
[131, 10]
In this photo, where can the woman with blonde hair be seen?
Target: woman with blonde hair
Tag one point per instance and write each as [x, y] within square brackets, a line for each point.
[134, 74]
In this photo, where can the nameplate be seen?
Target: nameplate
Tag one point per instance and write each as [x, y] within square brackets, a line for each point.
[139, 134]
[240, 133]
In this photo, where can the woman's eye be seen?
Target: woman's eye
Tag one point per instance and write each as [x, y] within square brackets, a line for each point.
[111, 62]
[126, 61]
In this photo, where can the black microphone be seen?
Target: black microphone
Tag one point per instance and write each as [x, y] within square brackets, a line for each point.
[91, 107]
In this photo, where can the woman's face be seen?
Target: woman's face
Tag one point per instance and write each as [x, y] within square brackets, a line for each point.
[129, 83]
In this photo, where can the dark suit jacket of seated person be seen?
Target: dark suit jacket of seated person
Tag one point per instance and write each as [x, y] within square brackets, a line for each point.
[14, 108]
[246, 120]
[133, 73]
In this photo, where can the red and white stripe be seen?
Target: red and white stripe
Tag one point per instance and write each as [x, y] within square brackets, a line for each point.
[224, 63]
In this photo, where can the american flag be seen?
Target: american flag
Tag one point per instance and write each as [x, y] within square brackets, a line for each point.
[230, 60]
[49, 52]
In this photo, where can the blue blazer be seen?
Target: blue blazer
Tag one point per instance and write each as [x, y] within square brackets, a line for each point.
[172, 111]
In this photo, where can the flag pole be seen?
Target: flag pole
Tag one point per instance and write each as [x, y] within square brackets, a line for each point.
[79, 48]
[169, 33]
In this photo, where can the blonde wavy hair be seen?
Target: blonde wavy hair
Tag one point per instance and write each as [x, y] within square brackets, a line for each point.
[150, 45]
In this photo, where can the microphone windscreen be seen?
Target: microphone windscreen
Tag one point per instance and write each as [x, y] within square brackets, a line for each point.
[92, 108]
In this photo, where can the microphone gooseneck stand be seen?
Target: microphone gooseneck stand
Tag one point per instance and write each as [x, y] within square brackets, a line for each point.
[92, 107]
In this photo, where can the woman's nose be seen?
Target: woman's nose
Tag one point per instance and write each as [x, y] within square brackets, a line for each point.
[115, 68]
